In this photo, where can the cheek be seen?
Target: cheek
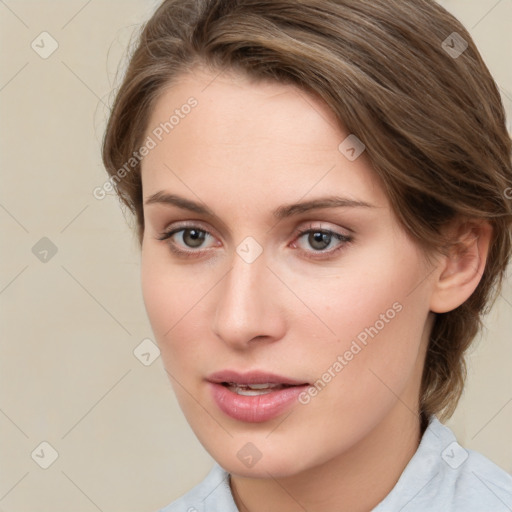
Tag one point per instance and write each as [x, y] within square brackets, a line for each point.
[175, 304]
[161, 290]
[366, 290]
[376, 355]
[159, 302]
[375, 312]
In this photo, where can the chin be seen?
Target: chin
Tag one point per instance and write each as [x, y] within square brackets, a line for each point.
[266, 467]
[254, 456]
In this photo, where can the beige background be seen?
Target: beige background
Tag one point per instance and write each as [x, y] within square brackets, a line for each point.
[69, 325]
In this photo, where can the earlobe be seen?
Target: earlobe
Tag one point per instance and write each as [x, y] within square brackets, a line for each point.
[460, 270]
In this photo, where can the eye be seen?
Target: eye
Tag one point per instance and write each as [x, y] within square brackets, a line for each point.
[321, 239]
[191, 237]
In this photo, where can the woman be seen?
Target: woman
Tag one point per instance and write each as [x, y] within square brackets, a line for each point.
[320, 196]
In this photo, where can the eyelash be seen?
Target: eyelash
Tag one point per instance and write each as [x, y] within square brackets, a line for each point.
[344, 239]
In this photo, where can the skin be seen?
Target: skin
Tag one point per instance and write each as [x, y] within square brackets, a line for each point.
[244, 150]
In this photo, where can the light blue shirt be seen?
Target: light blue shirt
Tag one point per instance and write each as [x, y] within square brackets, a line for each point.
[442, 476]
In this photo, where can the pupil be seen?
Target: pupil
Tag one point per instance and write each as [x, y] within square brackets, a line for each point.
[323, 238]
[194, 238]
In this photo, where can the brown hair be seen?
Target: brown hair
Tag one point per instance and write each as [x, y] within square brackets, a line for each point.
[431, 119]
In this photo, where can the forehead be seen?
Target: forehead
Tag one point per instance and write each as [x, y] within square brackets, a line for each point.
[257, 137]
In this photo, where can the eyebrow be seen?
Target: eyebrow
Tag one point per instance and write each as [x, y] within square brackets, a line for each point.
[281, 212]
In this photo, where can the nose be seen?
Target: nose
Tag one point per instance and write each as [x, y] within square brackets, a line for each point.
[248, 307]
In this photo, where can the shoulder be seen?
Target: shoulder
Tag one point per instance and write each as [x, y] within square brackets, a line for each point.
[210, 495]
[477, 483]
[442, 475]
[475, 478]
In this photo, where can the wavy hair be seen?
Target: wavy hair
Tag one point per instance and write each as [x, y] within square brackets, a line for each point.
[395, 72]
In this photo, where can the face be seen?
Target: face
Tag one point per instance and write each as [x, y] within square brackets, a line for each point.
[326, 300]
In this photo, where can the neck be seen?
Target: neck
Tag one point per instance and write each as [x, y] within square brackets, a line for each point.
[355, 481]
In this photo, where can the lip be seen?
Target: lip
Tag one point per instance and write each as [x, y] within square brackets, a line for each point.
[252, 377]
[253, 409]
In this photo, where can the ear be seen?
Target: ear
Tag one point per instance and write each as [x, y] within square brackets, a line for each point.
[460, 270]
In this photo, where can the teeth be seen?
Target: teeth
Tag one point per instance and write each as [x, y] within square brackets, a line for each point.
[253, 389]
[261, 386]
[249, 392]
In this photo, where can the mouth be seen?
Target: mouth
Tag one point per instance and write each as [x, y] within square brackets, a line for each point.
[254, 397]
